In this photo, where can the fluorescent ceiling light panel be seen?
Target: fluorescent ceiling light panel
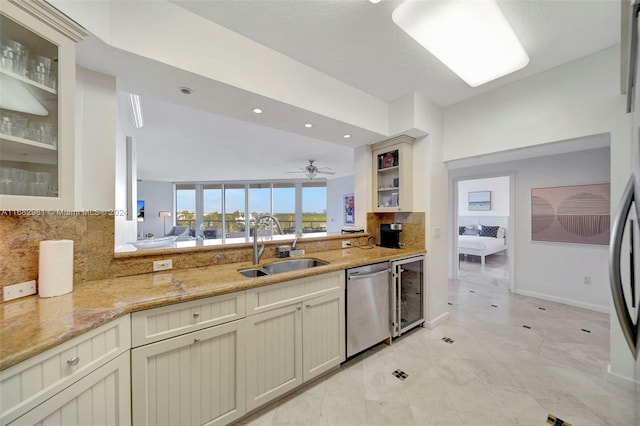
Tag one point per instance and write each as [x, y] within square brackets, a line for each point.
[471, 37]
[136, 108]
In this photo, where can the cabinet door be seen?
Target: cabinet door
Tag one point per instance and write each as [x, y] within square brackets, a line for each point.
[393, 175]
[101, 398]
[274, 354]
[37, 92]
[194, 379]
[323, 331]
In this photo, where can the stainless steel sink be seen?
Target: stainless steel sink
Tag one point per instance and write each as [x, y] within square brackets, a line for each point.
[282, 266]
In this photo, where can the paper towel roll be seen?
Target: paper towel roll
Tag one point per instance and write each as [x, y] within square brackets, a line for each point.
[55, 269]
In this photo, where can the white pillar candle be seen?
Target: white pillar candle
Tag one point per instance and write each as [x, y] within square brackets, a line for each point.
[55, 269]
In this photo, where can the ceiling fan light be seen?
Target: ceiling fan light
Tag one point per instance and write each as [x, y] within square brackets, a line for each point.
[472, 38]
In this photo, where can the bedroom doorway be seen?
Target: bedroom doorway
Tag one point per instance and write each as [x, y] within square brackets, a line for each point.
[483, 223]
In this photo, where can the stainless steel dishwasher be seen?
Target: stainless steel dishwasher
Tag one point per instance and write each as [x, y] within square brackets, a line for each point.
[367, 306]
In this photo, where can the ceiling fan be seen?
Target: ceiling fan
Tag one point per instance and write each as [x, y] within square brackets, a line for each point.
[312, 171]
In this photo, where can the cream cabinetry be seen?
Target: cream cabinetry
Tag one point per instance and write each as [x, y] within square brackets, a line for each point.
[101, 397]
[37, 96]
[296, 331]
[50, 374]
[196, 377]
[393, 175]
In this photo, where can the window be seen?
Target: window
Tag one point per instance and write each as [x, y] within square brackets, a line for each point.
[186, 205]
[314, 207]
[284, 206]
[224, 213]
[212, 211]
[234, 212]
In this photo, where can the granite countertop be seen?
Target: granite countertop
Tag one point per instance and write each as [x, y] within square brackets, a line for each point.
[32, 324]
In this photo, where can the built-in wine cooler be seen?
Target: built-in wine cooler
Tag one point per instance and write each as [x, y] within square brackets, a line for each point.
[407, 295]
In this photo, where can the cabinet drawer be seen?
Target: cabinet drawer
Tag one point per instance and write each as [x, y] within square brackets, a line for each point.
[162, 323]
[103, 397]
[29, 383]
[274, 296]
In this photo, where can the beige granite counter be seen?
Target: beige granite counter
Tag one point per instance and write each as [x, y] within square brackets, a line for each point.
[32, 324]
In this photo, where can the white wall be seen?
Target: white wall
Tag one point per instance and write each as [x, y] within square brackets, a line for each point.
[96, 111]
[125, 230]
[336, 190]
[499, 188]
[578, 99]
[554, 271]
[157, 196]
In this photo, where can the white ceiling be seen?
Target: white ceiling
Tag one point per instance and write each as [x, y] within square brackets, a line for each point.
[186, 138]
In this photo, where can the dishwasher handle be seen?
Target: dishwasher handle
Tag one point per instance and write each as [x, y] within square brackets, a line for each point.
[357, 276]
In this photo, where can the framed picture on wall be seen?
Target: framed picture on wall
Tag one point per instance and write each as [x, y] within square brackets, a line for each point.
[480, 201]
[349, 210]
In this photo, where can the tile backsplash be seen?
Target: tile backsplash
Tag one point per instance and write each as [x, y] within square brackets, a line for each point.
[93, 241]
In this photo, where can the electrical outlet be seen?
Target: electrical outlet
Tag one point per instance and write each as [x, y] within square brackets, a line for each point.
[161, 265]
[16, 291]
[346, 244]
[586, 279]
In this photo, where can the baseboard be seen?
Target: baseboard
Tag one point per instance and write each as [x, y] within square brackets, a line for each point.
[437, 320]
[624, 381]
[577, 304]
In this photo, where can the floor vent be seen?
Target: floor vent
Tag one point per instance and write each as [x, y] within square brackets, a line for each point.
[553, 420]
[541, 308]
[528, 327]
[448, 340]
[400, 374]
[586, 331]
[495, 306]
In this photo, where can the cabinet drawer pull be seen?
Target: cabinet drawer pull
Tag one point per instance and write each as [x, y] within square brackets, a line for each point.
[308, 305]
[73, 361]
[196, 314]
[196, 340]
[298, 308]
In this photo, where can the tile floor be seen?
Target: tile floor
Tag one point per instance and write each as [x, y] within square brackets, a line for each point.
[496, 372]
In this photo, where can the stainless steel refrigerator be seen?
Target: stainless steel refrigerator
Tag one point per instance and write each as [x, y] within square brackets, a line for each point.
[624, 247]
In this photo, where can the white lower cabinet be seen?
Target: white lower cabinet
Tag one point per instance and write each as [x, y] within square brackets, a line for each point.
[193, 379]
[102, 397]
[274, 354]
[291, 344]
[323, 334]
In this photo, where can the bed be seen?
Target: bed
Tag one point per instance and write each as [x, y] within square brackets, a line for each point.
[488, 241]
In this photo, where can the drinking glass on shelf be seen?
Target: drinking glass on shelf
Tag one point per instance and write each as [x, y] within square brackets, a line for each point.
[14, 56]
[38, 183]
[40, 70]
[6, 126]
[19, 125]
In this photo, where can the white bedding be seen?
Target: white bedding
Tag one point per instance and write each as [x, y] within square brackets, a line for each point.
[480, 243]
[480, 246]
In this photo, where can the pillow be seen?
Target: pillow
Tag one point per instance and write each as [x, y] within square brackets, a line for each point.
[489, 231]
[501, 233]
[461, 230]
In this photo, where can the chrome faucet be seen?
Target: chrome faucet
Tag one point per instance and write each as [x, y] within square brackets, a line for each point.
[257, 254]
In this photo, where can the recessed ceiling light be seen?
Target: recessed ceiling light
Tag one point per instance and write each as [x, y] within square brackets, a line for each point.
[472, 38]
[186, 90]
[307, 125]
[347, 136]
[257, 110]
[375, 1]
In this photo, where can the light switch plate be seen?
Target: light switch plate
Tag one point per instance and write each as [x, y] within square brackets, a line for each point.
[16, 291]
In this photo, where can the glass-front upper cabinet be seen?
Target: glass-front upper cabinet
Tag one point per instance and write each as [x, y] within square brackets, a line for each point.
[37, 82]
[393, 175]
